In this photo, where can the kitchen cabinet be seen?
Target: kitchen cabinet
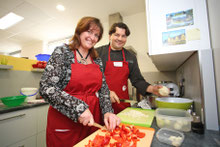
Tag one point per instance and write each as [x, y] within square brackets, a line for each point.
[24, 127]
[41, 126]
[17, 126]
[176, 29]
[171, 61]
[29, 142]
[41, 139]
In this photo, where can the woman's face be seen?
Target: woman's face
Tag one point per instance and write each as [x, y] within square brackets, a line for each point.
[90, 37]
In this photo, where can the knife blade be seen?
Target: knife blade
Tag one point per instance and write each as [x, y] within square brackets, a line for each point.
[128, 101]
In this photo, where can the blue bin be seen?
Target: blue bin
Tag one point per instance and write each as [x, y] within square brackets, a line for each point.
[43, 57]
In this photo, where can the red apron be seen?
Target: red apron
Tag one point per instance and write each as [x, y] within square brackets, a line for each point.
[116, 73]
[85, 81]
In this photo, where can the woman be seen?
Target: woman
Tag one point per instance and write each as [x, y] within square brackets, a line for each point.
[74, 85]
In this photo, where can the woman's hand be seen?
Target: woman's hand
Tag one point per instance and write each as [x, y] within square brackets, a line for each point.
[111, 121]
[86, 118]
[114, 98]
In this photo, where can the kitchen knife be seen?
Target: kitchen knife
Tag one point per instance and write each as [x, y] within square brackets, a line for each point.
[128, 101]
[99, 126]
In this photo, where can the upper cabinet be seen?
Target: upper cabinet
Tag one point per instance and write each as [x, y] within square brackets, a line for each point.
[176, 28]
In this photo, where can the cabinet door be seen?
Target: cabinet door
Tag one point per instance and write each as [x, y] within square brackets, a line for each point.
[29, 142]
[42, 118]
[16, 126]
[41, 139]
[41, 125]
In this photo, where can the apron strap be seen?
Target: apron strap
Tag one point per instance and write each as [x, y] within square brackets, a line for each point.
[123, 53]
[77, 60]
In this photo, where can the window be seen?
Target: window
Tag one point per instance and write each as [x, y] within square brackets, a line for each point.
[53, 44]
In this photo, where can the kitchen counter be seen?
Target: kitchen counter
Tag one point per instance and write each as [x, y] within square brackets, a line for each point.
[208, 139]
[24, 125]
[5, 109]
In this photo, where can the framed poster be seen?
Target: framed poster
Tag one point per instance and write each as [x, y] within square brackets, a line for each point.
[177, 26]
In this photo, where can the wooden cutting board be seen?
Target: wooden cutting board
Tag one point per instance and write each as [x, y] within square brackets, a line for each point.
[137, 116]
[144, 142]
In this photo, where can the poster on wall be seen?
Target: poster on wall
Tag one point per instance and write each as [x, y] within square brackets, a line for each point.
[174, 37]
[179, 19]
[175, 20]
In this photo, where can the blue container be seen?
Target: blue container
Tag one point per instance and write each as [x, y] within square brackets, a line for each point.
[43, 57]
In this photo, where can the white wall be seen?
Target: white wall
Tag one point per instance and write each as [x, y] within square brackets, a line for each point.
[214, 19]
[32, 49]
[105, 38]
[137, 39]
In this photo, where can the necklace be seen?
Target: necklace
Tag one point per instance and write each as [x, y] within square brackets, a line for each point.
[83, 60]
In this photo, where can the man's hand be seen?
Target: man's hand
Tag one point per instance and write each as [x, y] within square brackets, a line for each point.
[154, 90]
[86, 118]
[114, 98]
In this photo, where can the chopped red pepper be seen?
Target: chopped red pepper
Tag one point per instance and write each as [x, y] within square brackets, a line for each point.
[123, 136]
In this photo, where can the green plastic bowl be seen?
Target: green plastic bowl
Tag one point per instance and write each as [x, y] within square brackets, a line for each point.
[174, 102]
[13, 101]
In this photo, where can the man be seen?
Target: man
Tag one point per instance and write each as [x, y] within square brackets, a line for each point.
[119, 65]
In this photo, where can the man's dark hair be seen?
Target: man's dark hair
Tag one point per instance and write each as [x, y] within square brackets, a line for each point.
[119, 25]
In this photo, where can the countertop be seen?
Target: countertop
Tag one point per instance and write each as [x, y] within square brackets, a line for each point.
[208, 139]
[5, 109]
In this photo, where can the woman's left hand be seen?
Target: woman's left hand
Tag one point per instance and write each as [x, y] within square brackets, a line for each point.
[111, 121]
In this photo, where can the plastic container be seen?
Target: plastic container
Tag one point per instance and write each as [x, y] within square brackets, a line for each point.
[176, 119]
[170, 137]
[4, 60]
[174, 102]
[43, 57]
[31, 93]
[13, 100]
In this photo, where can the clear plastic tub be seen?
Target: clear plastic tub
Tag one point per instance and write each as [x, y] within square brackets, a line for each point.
[176, 119]
[31, 93]
[171, 137]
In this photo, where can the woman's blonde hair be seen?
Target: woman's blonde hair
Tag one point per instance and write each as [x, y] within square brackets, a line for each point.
[83, 25]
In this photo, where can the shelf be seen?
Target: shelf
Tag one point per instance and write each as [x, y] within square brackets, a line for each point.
[37, 70]
[171, 61]
[6, 66]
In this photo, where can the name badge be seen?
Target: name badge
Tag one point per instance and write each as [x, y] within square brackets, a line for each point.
[118, 64]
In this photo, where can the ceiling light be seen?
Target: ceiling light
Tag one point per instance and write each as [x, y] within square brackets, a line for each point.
[9, 20]
[60, 7]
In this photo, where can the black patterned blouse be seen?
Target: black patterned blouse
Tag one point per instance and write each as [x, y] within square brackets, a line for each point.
[55, 78]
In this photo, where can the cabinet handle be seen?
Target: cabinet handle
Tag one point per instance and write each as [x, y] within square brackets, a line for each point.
[21, 115]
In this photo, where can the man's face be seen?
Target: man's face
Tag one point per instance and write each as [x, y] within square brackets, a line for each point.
[118, 39]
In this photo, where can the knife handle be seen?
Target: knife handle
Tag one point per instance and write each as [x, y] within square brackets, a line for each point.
[98, 126]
